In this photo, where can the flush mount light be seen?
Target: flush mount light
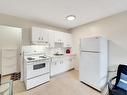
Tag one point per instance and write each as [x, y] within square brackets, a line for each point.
[71, 17]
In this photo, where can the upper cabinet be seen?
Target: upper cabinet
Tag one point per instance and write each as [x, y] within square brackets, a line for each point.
[51, 38]
[59, 38]
[67, 40]
[40, 35]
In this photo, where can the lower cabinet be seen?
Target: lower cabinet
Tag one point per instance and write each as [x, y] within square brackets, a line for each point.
[54, 68]
[60, 65]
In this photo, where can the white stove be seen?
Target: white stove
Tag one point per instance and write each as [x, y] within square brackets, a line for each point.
[36, 67]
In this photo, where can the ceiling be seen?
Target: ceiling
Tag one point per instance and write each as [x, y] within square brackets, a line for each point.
[53, 12]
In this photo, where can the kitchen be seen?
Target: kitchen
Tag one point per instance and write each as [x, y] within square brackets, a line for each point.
[73, 48]
[48, 56]
[54, 53]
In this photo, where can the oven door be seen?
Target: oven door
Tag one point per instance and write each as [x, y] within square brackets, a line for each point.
[36, 69]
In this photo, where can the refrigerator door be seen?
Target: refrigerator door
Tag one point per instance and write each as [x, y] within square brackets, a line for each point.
[90, 44]
[89, 69]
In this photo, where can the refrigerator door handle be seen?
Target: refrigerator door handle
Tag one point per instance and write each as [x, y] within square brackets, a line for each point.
[90, 51]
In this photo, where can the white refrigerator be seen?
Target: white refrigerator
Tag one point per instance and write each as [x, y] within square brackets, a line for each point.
[93, 66]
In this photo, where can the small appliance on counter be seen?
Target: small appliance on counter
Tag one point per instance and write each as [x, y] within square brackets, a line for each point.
[68, 51]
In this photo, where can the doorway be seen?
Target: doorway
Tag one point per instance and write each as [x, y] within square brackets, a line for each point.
[10, 49]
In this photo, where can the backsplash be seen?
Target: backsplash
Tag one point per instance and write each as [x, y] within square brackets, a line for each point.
[53, 51]
[57, 51]
[48, 51]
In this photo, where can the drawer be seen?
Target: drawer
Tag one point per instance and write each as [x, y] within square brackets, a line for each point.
[37, 81]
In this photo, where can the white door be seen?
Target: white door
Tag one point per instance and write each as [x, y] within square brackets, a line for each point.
[10, 43]
[90, 44]
[89, 68]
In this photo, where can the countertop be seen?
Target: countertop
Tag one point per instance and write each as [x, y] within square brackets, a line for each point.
[55, 56]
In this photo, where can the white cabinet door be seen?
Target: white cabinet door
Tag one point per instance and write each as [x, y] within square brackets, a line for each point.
[40, 35]
[62, 36]
[53, 68]
[61, 64]
[51, 39]
[59, 37]
[35, 34]
[57, 66]
[67, 40]
[71, 62]
[44, 35]
[68, 63]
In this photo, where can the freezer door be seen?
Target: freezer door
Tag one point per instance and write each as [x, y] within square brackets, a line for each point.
[89, 68]
[90, 44]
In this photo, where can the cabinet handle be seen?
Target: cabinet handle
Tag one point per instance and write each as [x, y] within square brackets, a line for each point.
[39, 38]
[42, 38]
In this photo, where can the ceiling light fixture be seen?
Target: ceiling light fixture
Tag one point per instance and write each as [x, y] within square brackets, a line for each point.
[71, 17]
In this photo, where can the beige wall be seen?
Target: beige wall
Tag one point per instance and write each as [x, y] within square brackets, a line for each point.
[114, 28]
[10, 37]
[25, 25]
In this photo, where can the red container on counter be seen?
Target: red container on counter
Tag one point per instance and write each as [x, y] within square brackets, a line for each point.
[68, 51]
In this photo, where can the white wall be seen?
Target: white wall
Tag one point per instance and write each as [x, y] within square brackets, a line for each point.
[114, 28]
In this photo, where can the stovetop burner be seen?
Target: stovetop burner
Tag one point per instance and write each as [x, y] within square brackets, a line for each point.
[42, 57]
[30, 58]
